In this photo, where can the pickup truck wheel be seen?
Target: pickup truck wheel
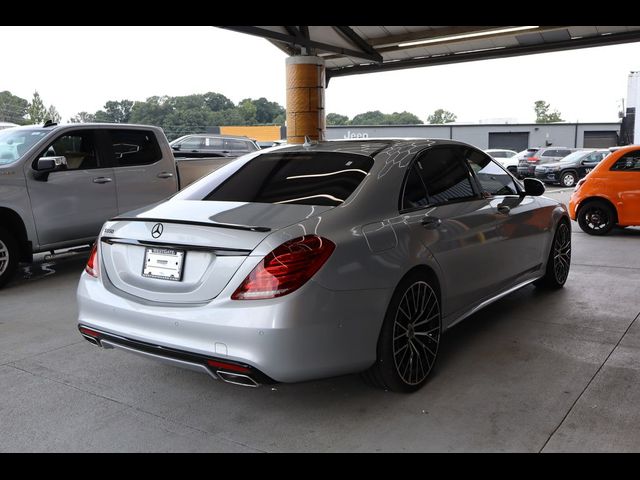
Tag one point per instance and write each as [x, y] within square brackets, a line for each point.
[8, 256]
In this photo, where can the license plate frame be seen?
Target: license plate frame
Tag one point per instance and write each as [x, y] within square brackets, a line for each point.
[158, 263]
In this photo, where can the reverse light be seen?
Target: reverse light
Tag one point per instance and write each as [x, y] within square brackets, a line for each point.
[92, 263]
[286, 268]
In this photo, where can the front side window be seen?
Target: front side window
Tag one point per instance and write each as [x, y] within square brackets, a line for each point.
[191, 143]
[445, 176]
[318, 178]
[493, 179]
[78, 148]
[134, 147]
[14, 142]
[629, 162]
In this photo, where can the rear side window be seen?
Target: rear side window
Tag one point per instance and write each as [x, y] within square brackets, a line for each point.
[628, 162]
[415, 193]
[236, 145]
[445, 175]
[319, 178]
[550, 153]
[134, 147]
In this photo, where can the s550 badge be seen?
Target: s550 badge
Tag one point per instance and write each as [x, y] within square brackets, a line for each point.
[109, 230]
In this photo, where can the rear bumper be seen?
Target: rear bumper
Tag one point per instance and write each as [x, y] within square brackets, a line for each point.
[311, 333]
[527, 170]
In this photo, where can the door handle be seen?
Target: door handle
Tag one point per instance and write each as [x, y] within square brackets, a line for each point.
[102, 180]
[165, 175]
[504, 209]
[431, 223]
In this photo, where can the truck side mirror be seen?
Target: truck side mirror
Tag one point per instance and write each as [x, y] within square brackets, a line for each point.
[46, 165]
[176, 147]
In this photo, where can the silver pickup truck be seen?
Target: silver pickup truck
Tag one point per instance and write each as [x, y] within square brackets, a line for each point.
[60, 183]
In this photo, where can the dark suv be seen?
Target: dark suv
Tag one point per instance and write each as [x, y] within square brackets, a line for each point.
[571, 168]
[207, 145]
[527, 166]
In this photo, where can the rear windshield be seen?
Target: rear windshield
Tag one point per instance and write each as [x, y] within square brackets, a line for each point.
[317, 178]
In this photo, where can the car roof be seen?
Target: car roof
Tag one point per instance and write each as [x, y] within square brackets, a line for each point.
[371, 146]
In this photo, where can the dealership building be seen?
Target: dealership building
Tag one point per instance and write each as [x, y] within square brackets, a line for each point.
[510, 136]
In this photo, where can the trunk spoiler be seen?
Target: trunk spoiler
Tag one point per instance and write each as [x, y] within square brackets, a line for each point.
[233, 226]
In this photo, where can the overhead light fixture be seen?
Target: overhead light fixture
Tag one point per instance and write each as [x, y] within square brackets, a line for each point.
[464, 36]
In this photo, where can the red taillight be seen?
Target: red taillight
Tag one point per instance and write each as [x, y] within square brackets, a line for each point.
[533, 159]
[92, 263]
[286, 268]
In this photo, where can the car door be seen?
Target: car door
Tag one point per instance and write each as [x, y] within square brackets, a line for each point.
[448, 216]
[624, 179]
[521, 228]
[70, 206]
[143, 175]
[589, 162]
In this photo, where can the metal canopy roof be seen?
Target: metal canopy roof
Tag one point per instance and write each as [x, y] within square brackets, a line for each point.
[351, 50]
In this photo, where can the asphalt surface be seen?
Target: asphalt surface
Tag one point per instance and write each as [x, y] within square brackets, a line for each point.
[535, 371]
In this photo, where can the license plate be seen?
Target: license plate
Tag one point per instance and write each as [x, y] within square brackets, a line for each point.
[163, 263]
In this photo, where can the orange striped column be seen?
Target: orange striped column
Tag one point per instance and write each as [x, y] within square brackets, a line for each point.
[305, 98]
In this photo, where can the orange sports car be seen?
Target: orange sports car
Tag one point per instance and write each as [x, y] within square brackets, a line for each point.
[610, 194]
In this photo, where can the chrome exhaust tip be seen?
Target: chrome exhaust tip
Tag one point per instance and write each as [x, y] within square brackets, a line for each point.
[237, 379]
[91, 339]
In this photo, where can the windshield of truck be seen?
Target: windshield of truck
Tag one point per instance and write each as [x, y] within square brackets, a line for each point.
[14, 142]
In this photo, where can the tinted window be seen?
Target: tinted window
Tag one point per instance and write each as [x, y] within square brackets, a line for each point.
[191, 143]
[134, 147]
[319, 178]
[563, 153]
[550, 153]
[414, 194]
[77, 147]
[212, 143]
[628, 162]
[493, 179]
[237, 145]
[445, 175]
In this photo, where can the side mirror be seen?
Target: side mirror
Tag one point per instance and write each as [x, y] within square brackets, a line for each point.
[533, 187]
[176, 147]
[46, 165]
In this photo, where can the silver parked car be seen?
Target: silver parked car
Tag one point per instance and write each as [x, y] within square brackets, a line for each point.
[304, 262]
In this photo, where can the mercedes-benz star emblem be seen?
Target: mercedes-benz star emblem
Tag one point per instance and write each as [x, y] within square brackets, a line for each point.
[157, 230]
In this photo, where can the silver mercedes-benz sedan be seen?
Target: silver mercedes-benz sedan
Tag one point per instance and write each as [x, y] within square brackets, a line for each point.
[317, 260]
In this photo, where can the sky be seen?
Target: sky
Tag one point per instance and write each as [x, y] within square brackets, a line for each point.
[81, 68]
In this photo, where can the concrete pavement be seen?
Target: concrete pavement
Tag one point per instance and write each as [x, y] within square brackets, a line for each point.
[536, 371]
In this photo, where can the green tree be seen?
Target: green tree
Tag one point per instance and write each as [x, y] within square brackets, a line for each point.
[542, 113]
[247, 111]
[441, 116]
[267, 112]
[12, 108]
[36, 111]
[216, 102]
[53, 115]
[83, 117]
[403, 118]
[337, 119]
[375, 117]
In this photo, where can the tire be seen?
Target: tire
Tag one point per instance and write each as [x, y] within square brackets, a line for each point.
[596, 217]
[408, 343]
[559, 260]
[568, 179]
[8, 256]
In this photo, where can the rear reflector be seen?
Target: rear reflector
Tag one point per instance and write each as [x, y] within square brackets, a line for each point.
[232, 367]
[286, 268]
[92, 263]
[88, 331]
